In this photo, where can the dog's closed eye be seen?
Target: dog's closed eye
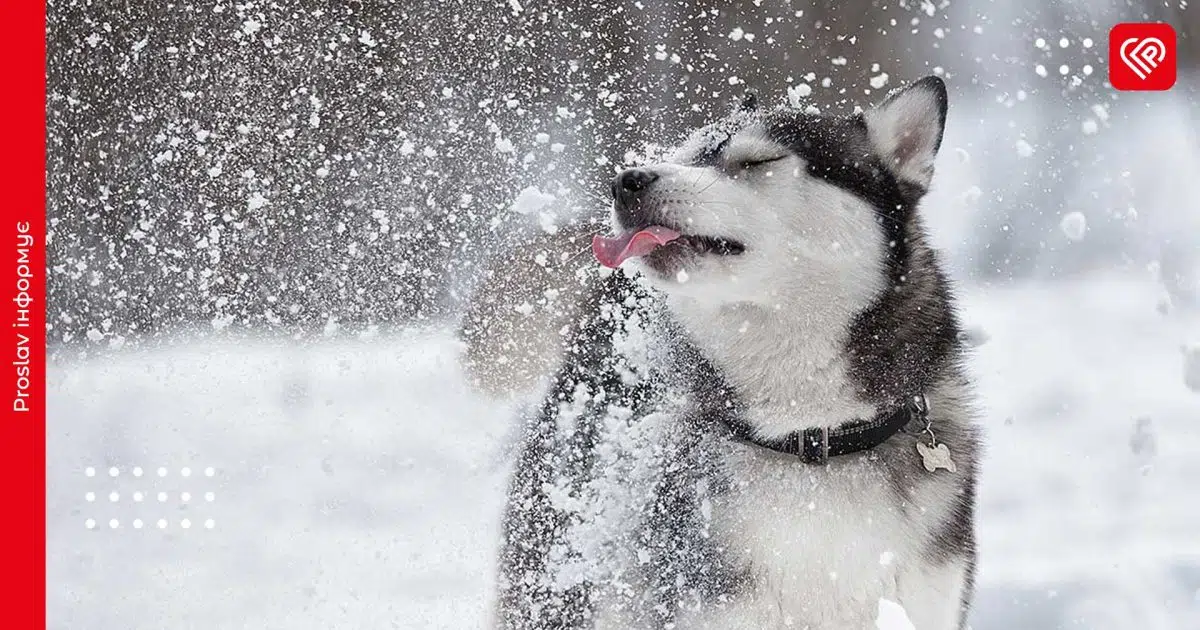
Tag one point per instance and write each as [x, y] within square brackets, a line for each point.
[751, 163]
[751, 166]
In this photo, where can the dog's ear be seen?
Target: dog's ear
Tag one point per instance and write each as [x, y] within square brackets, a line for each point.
[906, 129]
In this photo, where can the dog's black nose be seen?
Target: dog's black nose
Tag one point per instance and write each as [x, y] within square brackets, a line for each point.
[632, 181]
[627, 187]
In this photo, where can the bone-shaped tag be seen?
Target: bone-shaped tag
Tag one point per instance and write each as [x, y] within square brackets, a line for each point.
[935, 457]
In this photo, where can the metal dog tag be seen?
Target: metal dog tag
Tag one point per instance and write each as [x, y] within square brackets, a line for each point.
[935, 457]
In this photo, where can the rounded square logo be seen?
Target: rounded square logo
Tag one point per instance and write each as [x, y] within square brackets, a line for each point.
[1141, 56]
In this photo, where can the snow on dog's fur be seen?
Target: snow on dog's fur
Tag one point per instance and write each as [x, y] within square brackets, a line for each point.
[782, 283]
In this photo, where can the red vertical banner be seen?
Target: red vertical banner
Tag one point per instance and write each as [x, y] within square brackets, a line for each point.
[23, 344]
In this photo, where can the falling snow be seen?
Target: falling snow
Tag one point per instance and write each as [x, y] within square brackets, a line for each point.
[1074, 225]
[531, 200]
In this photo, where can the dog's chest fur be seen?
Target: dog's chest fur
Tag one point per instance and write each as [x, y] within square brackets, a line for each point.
[819, 545]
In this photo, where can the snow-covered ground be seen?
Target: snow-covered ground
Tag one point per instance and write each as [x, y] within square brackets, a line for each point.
[1087, 518]
[354, 486]
[358, 484]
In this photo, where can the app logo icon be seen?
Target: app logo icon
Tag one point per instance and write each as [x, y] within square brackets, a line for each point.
[1141, 56]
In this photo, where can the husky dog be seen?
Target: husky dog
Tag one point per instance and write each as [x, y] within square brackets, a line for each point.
[767, 424]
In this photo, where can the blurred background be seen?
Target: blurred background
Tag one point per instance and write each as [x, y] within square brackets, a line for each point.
[267, 220]
[286, 165]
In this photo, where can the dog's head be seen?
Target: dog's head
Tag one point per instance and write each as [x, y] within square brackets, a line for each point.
[763, 206]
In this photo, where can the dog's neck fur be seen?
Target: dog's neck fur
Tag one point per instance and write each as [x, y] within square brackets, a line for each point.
[822, 358]
[787, 363]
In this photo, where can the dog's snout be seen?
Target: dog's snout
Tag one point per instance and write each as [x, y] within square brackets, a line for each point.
[627, 188]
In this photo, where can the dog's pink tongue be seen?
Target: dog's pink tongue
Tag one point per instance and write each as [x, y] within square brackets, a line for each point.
[611, 252]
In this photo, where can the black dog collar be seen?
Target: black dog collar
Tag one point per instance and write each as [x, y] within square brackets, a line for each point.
[817, 445]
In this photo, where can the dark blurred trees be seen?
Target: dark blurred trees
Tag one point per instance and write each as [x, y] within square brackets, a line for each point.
[284, 165]
[297, 164]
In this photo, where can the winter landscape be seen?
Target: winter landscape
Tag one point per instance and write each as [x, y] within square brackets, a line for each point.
[341, 469]
[359, 484]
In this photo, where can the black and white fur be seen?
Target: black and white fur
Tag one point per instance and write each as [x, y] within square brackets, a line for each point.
[804, 295]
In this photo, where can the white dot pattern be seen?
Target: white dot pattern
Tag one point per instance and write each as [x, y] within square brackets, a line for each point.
[138, 496]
